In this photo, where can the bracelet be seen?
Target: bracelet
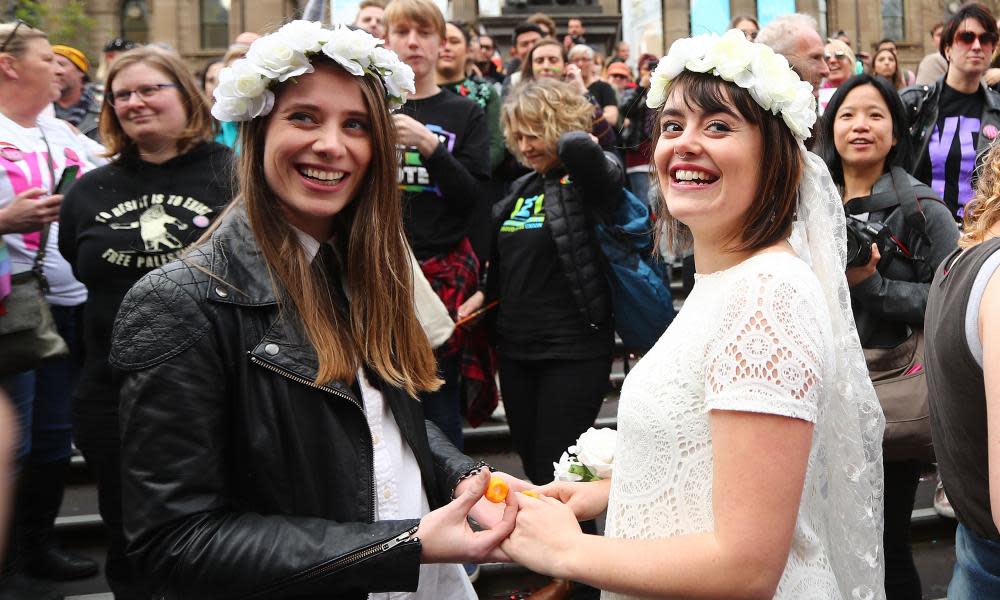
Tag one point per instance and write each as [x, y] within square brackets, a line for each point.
[471, 472]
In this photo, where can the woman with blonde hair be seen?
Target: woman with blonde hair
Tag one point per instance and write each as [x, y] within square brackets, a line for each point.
[840, 60]
[272, 442]
[963, 373]
[166, 183]
[553, 328]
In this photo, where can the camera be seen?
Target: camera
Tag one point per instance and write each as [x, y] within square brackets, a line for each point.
[862, 234]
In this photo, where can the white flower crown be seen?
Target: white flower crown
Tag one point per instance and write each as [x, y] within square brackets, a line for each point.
[243, 92]
[754, 67]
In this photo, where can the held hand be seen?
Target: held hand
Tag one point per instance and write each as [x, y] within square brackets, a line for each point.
[474, 303]
[586, 500]
[545, 536]
[412, 132]
[30, 211]
[447, 537]
[856, 275]
[488, 514]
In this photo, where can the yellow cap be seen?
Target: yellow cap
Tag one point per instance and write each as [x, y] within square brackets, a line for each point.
[75, 56]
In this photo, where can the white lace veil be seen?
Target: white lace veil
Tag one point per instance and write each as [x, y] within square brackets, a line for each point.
[852, 423]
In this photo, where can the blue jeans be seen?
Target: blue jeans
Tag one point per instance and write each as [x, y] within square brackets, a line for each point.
[977, 567]
[42, 398]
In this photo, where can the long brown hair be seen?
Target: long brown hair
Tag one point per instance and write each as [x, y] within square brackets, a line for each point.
[382, 330]
[199, 117]
[770, 216]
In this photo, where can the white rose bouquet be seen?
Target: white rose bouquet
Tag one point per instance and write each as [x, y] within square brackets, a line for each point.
[590, 459]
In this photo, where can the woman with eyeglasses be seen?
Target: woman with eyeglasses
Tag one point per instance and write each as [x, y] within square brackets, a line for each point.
[35, 149]
[165, 185]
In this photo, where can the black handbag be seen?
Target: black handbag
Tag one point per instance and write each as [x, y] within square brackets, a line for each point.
[28, 333]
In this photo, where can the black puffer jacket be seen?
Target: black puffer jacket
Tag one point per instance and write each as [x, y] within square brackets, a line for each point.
[242, 479]
[591, 192]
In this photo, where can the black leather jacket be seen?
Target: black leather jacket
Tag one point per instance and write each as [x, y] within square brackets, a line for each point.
[592, 192]
[921, 102]
[895, 295]
[241, 478]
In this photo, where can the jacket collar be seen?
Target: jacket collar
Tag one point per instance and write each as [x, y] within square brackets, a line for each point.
[238, 270]
[239, 276]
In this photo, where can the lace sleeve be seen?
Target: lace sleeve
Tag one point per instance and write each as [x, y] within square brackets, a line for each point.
[768, 356]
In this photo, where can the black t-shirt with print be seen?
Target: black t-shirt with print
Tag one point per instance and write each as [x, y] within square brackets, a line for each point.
[950, 160]
[441, 191]
[538, 317]
[121, 221]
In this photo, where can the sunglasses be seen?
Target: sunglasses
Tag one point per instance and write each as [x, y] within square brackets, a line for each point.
[13, 32]
[986, 38]
[839, 54]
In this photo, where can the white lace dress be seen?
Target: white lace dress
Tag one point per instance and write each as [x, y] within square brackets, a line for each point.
[757, 338]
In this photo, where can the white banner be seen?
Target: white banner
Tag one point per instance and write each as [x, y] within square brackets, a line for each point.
[642, 27]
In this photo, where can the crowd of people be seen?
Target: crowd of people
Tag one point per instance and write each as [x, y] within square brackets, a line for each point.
[226, 269]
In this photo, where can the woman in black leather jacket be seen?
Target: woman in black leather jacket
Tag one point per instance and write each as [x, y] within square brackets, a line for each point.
[867, 150]
[272, 443]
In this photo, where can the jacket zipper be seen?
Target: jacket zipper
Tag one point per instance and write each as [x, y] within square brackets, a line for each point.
[357, 556]
[298, 379]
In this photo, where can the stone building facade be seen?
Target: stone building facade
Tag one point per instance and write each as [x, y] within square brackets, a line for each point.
[200, 29]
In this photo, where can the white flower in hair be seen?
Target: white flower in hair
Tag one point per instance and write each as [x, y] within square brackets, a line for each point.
[242, 80]
[399, 82]
[275, 57]
[243, 92]
[351, 49]
[235, 108]
[306, 37]
[754, 67]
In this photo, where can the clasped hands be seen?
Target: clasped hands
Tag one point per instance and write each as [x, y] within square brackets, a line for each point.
[536, 532]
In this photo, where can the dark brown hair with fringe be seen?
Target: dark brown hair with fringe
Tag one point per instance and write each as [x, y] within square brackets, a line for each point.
[770, 216]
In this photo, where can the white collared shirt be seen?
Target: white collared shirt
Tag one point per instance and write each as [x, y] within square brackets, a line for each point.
[399, 490]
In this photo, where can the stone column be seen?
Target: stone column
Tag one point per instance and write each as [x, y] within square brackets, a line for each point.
[743, 8]
[676, 20]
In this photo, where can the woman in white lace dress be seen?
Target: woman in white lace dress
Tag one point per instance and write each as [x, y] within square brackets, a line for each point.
[748, 458]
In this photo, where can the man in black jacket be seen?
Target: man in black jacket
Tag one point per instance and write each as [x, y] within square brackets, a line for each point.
[954, 121]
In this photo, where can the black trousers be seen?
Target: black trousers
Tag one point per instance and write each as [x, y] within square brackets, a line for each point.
[104, 460]
[549, 403]
[902, 582]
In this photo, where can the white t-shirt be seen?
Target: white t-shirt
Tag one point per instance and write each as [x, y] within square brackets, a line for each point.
[23, 165]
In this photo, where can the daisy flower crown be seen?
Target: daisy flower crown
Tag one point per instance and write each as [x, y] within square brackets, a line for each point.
[243, 92]
[754, 67]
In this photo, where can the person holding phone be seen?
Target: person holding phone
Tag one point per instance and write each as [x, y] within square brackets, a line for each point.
[166, 185]
[34, 151]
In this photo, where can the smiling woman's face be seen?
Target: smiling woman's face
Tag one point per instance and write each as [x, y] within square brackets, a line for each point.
[862, 129]
[706, 167]
[317, 148]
